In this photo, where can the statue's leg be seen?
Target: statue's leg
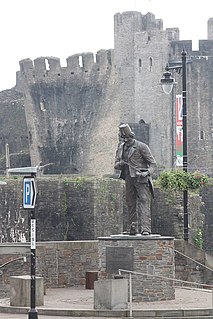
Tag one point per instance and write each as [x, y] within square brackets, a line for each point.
[144, 212]
[131, 201]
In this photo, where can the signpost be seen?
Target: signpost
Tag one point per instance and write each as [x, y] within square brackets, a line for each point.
[29, 192]
[29, 201]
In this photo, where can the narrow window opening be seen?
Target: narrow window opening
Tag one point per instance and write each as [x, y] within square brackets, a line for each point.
[139, 63]
[42, 105]
[80, 61]
[202, 135]
[150, 64]
[47, 66]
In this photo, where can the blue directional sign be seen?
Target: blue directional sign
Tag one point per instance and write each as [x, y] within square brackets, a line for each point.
[29, 193]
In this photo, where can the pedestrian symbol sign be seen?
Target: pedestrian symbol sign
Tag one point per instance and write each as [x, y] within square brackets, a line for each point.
[29, 193]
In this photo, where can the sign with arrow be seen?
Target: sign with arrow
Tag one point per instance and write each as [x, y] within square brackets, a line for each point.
[29, 193]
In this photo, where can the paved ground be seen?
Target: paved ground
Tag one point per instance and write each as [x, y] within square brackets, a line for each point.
[81, 298]
[14, 316]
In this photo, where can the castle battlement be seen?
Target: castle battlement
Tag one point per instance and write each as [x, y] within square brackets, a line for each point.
[137, 21]
[78, 63]
[173, 34]
[92, 93]
[206, 47]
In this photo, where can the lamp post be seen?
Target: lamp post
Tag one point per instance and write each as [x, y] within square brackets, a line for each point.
[167, 82]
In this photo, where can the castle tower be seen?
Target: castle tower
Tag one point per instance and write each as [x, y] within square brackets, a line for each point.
[141, 54]
[125, 27]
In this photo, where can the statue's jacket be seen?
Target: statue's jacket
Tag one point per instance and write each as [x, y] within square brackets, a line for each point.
[139, 159]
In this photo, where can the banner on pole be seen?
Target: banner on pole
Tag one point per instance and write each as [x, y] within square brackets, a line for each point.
[179, 130]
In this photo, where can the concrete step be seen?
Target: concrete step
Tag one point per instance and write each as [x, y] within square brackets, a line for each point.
[199, 317]
[136, 314]
[189, 313]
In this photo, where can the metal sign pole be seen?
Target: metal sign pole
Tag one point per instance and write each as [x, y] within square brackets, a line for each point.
[33, 314]
[30, 198]
[29, 201]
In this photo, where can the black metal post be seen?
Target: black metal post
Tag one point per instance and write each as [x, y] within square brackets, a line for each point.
[185, 154]
[33, 314]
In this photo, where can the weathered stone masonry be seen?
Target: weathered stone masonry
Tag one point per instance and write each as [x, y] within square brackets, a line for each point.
[149, 256]
[67, 209]
[69, 115]
[64, 264]
[85, 208]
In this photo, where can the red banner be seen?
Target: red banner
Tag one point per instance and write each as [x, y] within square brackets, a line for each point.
[179, 130]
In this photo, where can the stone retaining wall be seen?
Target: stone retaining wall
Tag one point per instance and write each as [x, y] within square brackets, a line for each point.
[64, 264]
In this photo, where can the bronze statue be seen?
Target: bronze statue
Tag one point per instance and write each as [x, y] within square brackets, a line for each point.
[136, 163]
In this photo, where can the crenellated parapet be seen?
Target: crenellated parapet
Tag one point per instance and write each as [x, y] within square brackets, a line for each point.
[73, 63]
[206, 47]
[26, 67]
[173, 34]
[137, 21]
[104, 58]
[177, 47]
[210, 29]
[50, 67]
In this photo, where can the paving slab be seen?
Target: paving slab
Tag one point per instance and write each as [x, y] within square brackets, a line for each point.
[79, 302]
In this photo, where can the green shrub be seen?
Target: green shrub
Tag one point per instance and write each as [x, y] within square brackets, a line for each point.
[197, 180]
[179, 180]
[198, 238]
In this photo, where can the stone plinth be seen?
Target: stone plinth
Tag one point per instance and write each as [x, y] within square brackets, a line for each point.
[146, 255]
[111, 294]
[20, 287]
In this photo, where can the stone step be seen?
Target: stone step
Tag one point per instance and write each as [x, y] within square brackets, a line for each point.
[174, 314]
[185, 317]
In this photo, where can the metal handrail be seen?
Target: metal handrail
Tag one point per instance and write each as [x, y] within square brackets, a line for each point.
[130, 272]
[11, 261]
[162, 277]
[197, 262]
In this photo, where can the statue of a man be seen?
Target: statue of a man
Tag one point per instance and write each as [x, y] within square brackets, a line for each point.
[136, 163]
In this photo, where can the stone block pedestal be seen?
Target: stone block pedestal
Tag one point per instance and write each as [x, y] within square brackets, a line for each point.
[20, 287]
[111, 294]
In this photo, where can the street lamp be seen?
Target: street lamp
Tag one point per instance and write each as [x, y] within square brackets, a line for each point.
[167, 84]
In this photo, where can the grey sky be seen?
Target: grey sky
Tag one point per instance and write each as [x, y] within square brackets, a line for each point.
[33, 28]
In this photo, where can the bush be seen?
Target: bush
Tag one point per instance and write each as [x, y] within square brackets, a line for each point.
[198, 180]
[198, 238]
[180, 180]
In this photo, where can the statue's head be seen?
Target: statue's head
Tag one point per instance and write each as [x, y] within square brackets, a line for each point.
[126, 131]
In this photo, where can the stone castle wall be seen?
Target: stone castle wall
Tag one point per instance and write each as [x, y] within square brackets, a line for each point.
[68, 208]
[70, 115]
[13, 130]
[84, 208]
[70, 111]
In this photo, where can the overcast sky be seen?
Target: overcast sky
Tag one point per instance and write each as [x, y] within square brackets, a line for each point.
[60, 28]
